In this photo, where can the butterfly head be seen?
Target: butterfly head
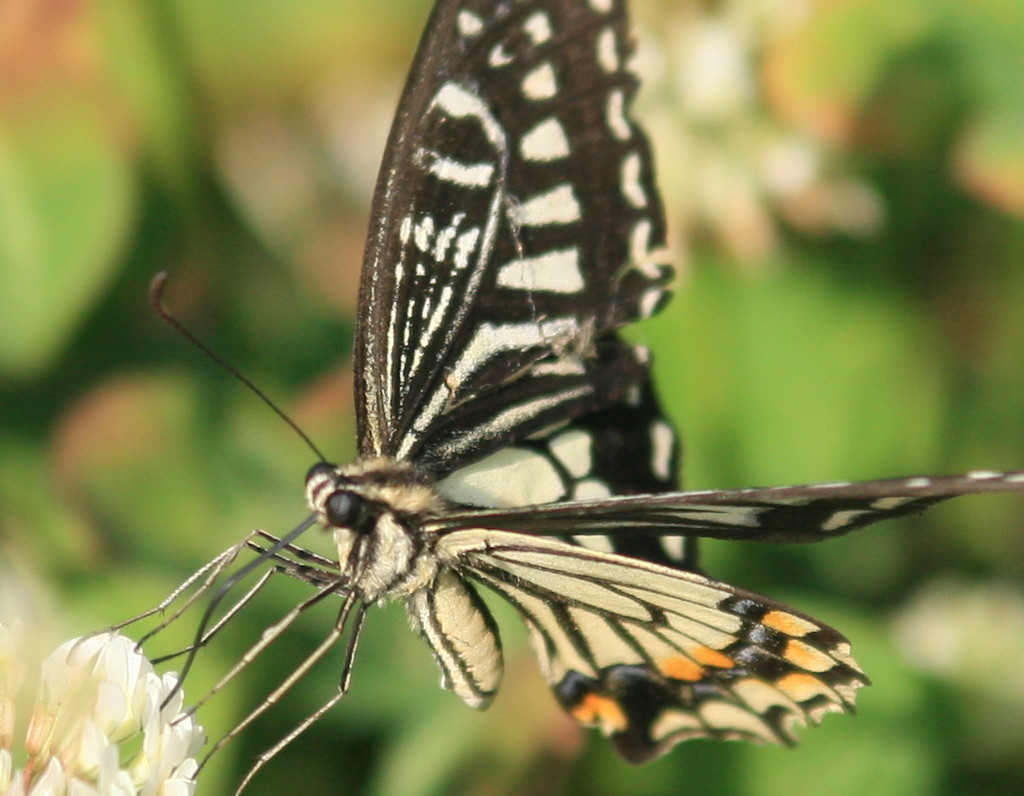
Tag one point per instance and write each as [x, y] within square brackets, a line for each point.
[374, 508]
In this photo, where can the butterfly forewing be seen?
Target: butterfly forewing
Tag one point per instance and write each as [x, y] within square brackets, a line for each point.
[515, 228]
[807, 513]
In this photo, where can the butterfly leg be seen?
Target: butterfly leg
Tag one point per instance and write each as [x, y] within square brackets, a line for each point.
[312, 718]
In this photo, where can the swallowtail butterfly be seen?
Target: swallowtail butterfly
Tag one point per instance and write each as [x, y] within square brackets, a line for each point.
[510, 438]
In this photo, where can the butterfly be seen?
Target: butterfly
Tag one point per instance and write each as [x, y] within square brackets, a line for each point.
[509, 438]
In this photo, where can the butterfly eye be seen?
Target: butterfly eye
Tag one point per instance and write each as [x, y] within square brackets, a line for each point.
[346, 509]
[320, 470]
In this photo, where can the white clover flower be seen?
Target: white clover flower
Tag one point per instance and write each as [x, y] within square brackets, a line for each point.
[97, 728]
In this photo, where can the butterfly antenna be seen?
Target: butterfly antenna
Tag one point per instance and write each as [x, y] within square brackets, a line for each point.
[156, 289]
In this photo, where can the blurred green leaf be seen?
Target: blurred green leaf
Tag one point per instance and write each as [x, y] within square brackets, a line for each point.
[990, 161]
[850, 306]
[785, 378]
[65, 210]
[821, 75]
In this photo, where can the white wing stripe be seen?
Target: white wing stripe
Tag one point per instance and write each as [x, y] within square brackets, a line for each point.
[545, 142]
[574, 589]
[514, 415]
[555, 272]
[686, 601]
[607, 646]
[556, 206]
[545, 628]
[621, 570]
[460, 102]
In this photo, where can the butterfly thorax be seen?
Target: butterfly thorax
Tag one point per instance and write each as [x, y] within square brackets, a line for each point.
[375, 509]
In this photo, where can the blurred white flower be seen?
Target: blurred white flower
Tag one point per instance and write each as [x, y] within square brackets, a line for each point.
[970, 634]
[99, 726]
[731, 168]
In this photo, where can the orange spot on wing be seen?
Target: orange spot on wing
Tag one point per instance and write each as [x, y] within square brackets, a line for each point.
[679, 668]
[806, 657]
[597, 710]
[787, 623]
[801, 686]
[710, 657]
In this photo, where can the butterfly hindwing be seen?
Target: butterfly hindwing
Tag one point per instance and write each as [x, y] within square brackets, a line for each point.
[653, 655]
[631, 449]
[516, 227]
[625, 449]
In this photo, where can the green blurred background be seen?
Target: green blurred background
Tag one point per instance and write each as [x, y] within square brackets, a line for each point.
[845, 184]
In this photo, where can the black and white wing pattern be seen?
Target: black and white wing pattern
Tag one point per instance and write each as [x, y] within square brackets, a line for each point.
[515, 228]
[653, 655]
[509, 437]
[806, 513]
